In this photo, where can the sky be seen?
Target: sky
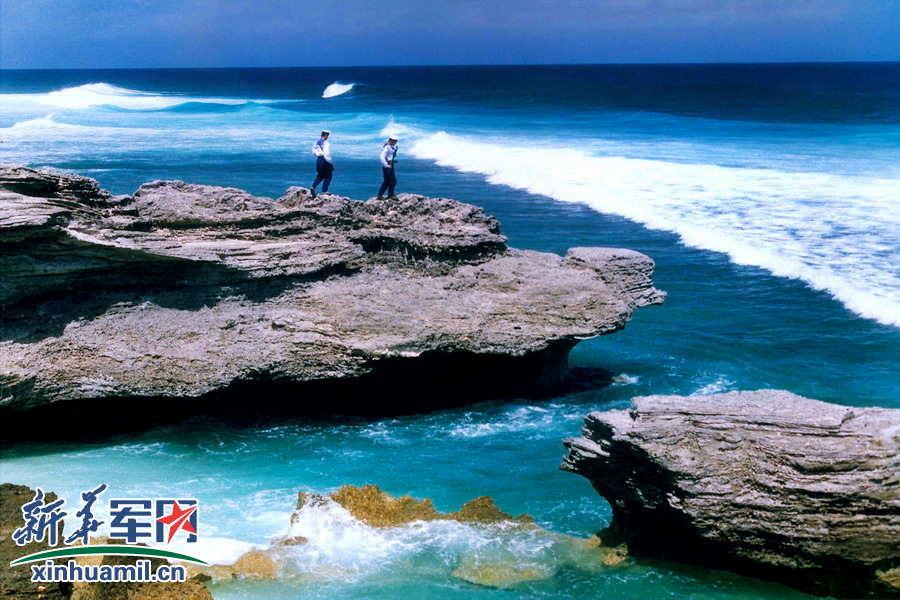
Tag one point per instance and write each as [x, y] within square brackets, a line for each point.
[235, 33]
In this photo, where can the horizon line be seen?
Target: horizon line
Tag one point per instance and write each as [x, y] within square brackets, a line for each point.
[465, 65]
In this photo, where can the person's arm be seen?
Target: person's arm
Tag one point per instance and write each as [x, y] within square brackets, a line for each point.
[317, 150]
[384, 157]
[326, 151]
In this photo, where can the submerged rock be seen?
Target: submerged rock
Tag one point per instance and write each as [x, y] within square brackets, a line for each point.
[498, 573]
[202, 292]
[255, 564]
[766, 483]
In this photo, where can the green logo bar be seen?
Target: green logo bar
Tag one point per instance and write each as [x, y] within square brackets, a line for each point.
[107, 549]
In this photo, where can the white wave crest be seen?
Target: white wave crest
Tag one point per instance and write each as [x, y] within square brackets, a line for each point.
[337, 89]
[104, 94]
[43, 123]
[46, 129]
[532, 422]
[837, 233]
[403, 131]
[625, 379]
[717, 386]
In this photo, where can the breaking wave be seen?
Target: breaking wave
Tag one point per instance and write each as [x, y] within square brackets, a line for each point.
[104, 94]
[837, 233]
[337, 89]
[46, 122]
[341, 546]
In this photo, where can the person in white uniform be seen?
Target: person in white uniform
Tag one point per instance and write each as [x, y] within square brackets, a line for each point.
[388, 157]
[324, 165]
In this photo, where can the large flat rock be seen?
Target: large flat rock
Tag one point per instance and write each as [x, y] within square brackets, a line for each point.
[183, 290]
[768, 483]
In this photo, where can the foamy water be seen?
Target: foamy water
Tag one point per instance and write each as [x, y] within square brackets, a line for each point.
[840, 234]
[104, 94]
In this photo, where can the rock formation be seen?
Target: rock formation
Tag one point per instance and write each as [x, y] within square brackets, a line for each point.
[766, 483]
[192, 291]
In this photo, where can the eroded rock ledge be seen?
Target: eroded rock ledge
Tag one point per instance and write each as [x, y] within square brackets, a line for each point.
[767, 483]
[187, 291]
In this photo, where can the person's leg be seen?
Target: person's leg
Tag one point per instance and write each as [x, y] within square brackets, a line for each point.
[392, 182]
[320, 174]
[385, 181]
[326, 181]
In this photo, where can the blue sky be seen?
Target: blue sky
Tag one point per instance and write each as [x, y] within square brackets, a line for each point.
[221, 33]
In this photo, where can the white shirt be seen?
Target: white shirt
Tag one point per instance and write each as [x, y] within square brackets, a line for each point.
[322, 148]
[388, 153]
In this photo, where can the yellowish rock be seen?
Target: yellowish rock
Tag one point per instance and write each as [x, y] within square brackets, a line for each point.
[376, 508]
[372, 506]
[500, 573]
[255, 564]
[890, 577]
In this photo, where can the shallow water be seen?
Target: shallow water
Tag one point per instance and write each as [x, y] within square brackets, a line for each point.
[749, 186]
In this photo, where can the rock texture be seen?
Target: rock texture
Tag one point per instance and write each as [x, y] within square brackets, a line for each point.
[767, 483]
[185, 291]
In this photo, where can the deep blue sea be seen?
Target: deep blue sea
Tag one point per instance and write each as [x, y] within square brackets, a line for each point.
[769, 196]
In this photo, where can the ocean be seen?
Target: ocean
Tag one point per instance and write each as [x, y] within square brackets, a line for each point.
[769, 196]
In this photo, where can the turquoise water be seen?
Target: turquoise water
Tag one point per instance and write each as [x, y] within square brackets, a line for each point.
[767, 195]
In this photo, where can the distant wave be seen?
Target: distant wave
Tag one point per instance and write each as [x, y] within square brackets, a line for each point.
[337, 89]
[104, 94]
[45, 122]
[837, 233]
[49, 126]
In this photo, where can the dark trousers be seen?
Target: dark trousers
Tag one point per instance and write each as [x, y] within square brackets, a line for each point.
[389, 183]
[324, 171]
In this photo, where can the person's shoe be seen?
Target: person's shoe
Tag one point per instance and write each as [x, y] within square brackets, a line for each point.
[379, 197]
[312, 193]
[394, 197]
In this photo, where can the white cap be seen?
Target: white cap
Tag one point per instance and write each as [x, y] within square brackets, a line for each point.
[394, 137]
[324, 131]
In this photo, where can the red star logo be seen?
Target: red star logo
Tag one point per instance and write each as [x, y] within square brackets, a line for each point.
[180, 518]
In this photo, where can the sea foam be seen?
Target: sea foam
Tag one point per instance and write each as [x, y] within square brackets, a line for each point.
[104, 94]
[339, 546]
[337, 89]
[837, 233]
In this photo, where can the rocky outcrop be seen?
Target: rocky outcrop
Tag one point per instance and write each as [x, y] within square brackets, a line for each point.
[767, 483]
[192, 291]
